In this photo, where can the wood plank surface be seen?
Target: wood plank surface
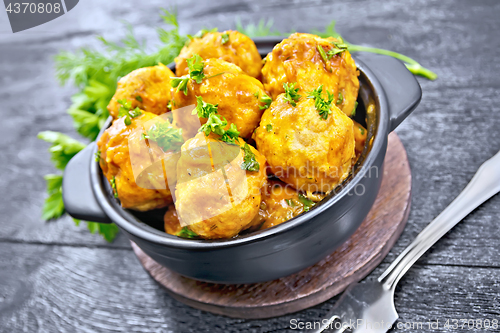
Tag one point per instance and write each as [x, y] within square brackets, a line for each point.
[55, 277]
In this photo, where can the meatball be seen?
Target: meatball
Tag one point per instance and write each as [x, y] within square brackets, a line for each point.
[215, 196]
[302, 148]
[280, 202]
[231, 46]
[240, 98]
[147, 88]
[298, 59]
[126, 161]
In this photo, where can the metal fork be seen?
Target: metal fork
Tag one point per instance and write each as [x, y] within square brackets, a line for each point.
[369, 307]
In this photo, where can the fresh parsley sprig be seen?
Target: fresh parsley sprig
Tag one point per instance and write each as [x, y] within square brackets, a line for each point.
[125, 111]
[291, 93]
[166, 136]
[323, 105]
[215, 122]
[249, 161]
[195, 66]
[63, 147]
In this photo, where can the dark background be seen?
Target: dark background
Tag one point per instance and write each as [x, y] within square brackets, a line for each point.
[56, 277]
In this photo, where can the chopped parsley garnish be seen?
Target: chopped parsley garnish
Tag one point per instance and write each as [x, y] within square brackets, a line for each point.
[204, 110]
[353, 113]
[169, 106]
[267, 102]
[338, 48]
[138, 98]
[340, 99]
[306, 202]
[224, 38]
[322, 53]
[215, 122]
[97, 156]
[165, 135]
[125, 111]
[362, 130]
[186, 233]
[291, 94]
[195, 65]
[180, 83]
[269, 127]
[290, 202]
[113, 186]
[324, 106]
[256, 94]
[249, 161]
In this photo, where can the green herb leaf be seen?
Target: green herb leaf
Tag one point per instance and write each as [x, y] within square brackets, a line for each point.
[204, 110]
[231, 134]
[138, 98]
[166, 136]
[63, 147]
[308, 204]
[263, 28]
[269, 127]
[187, 233]
[224, 38]
[195, 65]
[340, 99]
[97, 156]
[113, 186]
[361, 130]
[53, 206]
[353, 113]
[291, 94]
[106, 230]
[215, 123]
[322, 105]
[124, 111]
[180, 83]
[267, 102]
[290, 202]
[249, 161]
[322, 53]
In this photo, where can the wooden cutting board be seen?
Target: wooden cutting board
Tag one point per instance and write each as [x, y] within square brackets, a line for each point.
[351, 262]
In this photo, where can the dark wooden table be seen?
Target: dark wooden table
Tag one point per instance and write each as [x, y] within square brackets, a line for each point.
[56, 277]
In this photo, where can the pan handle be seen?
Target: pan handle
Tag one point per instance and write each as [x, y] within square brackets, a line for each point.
[78, 196]
[401, 87]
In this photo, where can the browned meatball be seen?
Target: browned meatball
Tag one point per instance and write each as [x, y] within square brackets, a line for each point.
[239, 97]
[147, 88]
[231, 46]
[125, 160]
[215, 196]
[302, 148]
[298, 59]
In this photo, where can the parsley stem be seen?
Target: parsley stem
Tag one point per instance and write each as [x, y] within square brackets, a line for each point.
[413, 66]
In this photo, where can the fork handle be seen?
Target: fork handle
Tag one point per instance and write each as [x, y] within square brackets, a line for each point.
[484, 185]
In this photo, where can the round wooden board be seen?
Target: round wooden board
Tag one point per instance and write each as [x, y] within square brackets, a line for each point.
[351, 262]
